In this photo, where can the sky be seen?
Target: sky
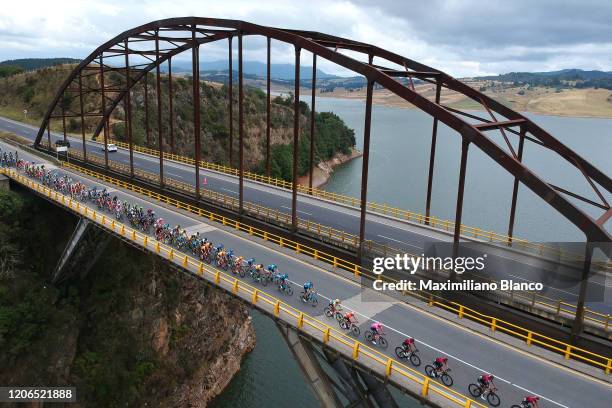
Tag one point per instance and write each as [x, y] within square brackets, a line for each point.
[461, 37]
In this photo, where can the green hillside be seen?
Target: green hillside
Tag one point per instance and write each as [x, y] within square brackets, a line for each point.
[33, 91]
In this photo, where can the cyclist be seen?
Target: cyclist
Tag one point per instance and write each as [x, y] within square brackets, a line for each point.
[408, 345]
[532, 401]
[221, 256]
[440, 364]
[308, 287]
[283, 280]
[486, 383]
[238, 263]
[335, 305]
[377, 331]
[272, 268]
[349, 318]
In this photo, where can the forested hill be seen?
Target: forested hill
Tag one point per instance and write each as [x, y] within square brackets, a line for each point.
[34, 91]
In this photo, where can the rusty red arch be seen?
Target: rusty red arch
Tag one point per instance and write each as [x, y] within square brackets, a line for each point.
[204, 30]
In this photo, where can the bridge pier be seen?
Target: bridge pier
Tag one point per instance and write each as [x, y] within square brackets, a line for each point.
[358, 388]
[82, 251]
[304, 353]
[4, 182]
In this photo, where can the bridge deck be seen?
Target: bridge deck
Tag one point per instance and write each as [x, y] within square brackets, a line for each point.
[470, 354]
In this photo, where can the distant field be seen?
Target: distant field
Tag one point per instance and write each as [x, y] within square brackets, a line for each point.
[566, 102]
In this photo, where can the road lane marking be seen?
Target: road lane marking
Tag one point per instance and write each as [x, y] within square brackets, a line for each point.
[538, 395]
[441, 319]
[229, 191]
[401, 242]
[300, 211]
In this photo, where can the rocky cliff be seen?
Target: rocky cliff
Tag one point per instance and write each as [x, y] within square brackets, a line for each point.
[133, 332]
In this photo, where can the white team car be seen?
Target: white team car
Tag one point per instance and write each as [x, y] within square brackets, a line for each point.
[111, 147]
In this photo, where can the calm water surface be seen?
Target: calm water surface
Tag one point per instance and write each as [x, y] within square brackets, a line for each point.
[398, 176]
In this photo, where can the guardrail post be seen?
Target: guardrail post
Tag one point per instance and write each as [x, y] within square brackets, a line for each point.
[218, 280]
[326, 335]
[265, 237]
[529, 336]
[468, 403]
[157, 247]
[277, 308]
[146, 241]
[281, 242]
[300, 321]
[425, 389]
[316, 254]
[235, 286]
[356, 350]
[255, 296]
[568, 352]
[122, 229]
[297, 247]
[431, 300]
[388, 367]
[558, 307]
[171, 254]
[356, 271]
[133, 235]
[185, 262]
[609, 366]
[460, 314]
[607, 323]
[201, 269]
[493, 324]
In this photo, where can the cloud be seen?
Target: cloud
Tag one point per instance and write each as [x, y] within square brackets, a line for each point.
[461, 37]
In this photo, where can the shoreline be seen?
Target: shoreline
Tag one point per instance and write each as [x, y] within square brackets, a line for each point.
[406, 105]
[323, 171]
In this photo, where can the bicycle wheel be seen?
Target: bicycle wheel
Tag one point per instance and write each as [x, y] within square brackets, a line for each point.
[368, 335]
[515, 406]
[339, 316]
[314, 301]
[447, 380]
[493, 399]
[289, 290]
[264, 281]
[474, 390]
[430, 371]
[415, 360]
[241, 272]
[355, 330]
[399, 352]
[343, 325]
[383, 342]
[328, 312]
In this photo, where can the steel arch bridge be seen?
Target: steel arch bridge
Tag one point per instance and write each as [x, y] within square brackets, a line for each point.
[136, 52]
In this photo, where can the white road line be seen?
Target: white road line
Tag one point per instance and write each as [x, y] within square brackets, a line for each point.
[401, 242]
[538, 395]
[303, 212]
[229, 191]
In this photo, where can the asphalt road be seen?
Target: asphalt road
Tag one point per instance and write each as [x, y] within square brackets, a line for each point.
[401, 235]
[470, 354]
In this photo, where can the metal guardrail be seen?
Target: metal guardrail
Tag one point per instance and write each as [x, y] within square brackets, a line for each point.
[387, 367]
[384, 209]
[530, 337]
[554, 306]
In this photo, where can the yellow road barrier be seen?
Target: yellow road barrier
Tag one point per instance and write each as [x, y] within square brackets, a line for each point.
[395, 371]
[530, 337]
